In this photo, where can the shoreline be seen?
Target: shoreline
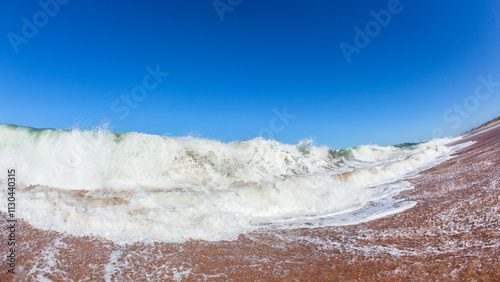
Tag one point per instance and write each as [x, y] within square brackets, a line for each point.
[452, 233]
[487, 126]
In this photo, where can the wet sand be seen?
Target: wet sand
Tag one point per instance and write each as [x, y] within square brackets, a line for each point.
[453, 233]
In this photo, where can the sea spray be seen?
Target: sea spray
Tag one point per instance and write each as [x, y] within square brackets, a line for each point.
[132, 187]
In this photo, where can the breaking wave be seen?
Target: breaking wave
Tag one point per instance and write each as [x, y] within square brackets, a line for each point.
[134, 187]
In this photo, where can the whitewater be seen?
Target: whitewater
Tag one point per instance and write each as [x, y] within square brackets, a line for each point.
[134, 187]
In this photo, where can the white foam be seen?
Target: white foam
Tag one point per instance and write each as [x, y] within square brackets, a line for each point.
[112, 266]
[135, 187]
[46, 261]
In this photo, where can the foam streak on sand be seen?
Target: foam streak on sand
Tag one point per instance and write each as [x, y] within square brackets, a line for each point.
[140, 188]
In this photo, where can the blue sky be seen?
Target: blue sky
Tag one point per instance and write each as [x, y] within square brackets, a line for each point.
[235, 66]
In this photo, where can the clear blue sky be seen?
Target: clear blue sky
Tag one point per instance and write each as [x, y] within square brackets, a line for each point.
[229, 69]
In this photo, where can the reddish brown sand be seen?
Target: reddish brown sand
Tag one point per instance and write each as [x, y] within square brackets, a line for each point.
[453, 233]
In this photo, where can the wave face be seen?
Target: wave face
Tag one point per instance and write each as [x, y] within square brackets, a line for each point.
[134, 187]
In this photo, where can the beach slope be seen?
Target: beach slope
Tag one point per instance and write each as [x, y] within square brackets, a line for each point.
[452, 233]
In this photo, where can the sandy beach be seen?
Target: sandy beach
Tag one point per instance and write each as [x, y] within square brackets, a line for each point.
[453, 233]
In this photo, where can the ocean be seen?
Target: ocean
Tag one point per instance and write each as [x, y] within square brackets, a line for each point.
[134, 187]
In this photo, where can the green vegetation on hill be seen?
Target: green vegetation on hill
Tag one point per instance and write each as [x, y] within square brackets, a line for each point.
[486, 124]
